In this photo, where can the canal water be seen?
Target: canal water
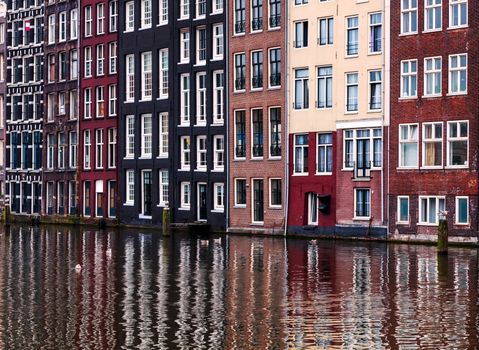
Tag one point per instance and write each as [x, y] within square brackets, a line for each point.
[137, 290]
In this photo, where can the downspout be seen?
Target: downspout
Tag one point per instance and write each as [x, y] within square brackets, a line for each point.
[286, 115]
[386, 116]
[226, 118]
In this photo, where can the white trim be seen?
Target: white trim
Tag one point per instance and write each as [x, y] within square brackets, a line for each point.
[359, 124]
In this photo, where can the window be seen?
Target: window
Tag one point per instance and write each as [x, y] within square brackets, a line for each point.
[184, 9]
[164, 183]
[409, 79]
[73, 104]
[408, 145]
[218, 96]
[403, 209]
[50, 151]
[112, 148]
[217, 6]
[185, 195]
[185, 99]
[113, 16]
[457, 144]
[146, 136]
[362, 202]
[73, 64]
[163, 137]
[73, 24]
[274, 67]
[201, 98]
[130, 78]
[185, 152]
[240, 71]
[375, 32]
[431, 209]
[62, 66]
[112, 47]
[219, 196]
[163, 12]
[432, 76]
[218, 42]
[62, 30]
[200, 46]
[325, 87]
[146, 76]
[375, 90]
[100, 18]
[432, 145]
[88, 21]
[357, 150]
[87, 103]
[145, 14]
[201, 153]
[275, 132]
[301, 154]
[130, 187]
[408, 16]
[352, 92]
[218, 153]
[275, 199]
[240, 134]
[312, 209]
[62, 146]
[257, 69]
[457, 13]
[100, 102]
[326, 31]
[300, 34]
[163, 73]
[256, 15]
[87, 149]
[51, 29]
[61, 103]
[324, 162]
[240, 15]
[86, 198]
[72, 150]
[99, 141]
[458, 74]
[462, 211]
[274, 13]
[433, 15]
[130, 16]
[146, 189]
[130, 136]
[257, 133]
[51, 68]
[184, 46]
[88, 62]
[240, 192]
[301, 88]
[112, 100]
[352, 34]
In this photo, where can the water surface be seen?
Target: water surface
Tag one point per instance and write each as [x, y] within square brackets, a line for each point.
[138, 290]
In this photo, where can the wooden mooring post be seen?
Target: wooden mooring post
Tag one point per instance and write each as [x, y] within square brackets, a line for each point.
[166, 221]
[442, 237]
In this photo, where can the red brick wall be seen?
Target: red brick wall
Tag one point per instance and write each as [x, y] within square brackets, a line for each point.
[265, 168]
[448, 182]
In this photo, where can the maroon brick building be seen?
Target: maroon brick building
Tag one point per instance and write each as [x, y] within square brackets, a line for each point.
[98, 109]
[256, 36]
[60, 143]
[434, 118]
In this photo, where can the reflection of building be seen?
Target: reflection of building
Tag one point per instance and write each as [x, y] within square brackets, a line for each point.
[3, 58]
[25, 106]
[60, 77]
[98, 109]
[337, 108]
[257, 117]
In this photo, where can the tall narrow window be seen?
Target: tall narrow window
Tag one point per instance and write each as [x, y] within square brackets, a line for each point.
[87, 149]
[184, 46]
[240, 192]
[432, 76]
[185, 152]
[274, 14]
[146, 192]
[163, 141]
[201, 98]
[146, 8]
[408, 145]
[163, 12]
[99, 141]
[457, 143]
[240, 134]
[200, 46]
[130, 16]
[326, 31]
[113, 16]
[257, 69]
[146, 76]
[100, 102]
[218, 41]
[240, 16]
[408, 16]
[218, 153]
[352, 33]
[375, 30]
[324, 160]
[457, 13]
[352, 92]
[72, 150]
[257, 130]
[100, 18]
[185, 99]
[130, 136]
[201, 153]
[409, 78]
[112, 148]
[458, 74]
[301, 154]
[130, 187]
[275, 132]
[362, 202]
[256, 15]
[218, 97]
[301, 88]
[240, 71]
[274, 67]
[375, 90]
[164, 183]
[325, 87]
[146, 136]
[163, 73]
[433, 15]
[112, 48]
[300, 34]
[432, 145]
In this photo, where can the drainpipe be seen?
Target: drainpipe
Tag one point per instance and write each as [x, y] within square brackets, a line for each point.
[226, 118]
[387, 80]
[286, 115]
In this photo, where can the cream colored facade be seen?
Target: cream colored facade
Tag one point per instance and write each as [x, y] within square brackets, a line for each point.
[314, 56]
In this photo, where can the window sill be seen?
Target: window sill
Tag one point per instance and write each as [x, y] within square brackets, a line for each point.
[200, 170]
[183, 62]
[361, 218]
[458, 27]
[351, 112]
[426, 224]
[184, 209]
[218, 123]
[239, 159]
[431, 96]
[300, 174]
[274, 158]
[463, 224]
[240, 206]
[256, 31]
[256, 89]
[435, 30]
[374, 110]
[218, 211]
[375, 53]
[256, 158]
[324, 174]
[239, 91]
[351, 56]
[402, 223]
[426, 167]
[452, 167]
[162, 157]
[407, 98]
[200, 64]
[257, 223]
[147, 217]
[145, 99]
[408, 168]
[408, 34]
[238, 34]
[452, 94]
[217, 59]
[274, 29]
[275, 207]
[217, 171]
[128, 204]
[145, 157]
[184, 169]
[274, 87]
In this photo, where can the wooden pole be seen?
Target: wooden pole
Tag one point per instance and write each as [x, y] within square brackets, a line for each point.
[166, 221]
[442, 237]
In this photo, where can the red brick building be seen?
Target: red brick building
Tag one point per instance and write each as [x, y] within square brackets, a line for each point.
[98, 109]
[434, 118]
[256, 116]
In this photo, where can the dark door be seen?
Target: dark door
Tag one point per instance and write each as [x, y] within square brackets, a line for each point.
[258, 201]
[202, 202]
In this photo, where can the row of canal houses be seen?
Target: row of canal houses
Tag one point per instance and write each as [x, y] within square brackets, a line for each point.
[267, 116]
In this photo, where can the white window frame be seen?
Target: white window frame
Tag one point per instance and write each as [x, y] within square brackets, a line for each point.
[411, 12]
[130, 136]
[185, 153]
[458, 4]
[433, 139]
[146, 136]
[457, 70]
[432, 74]
[410, 76]
[398, 219]
[201, 153]
[146, 76]
[185, 109]
[201, 91]
[163, 70]
[163, 141]
[130, 187]
[420, 209]
[219, 201]
[163, 187]
[432, 6]
[130, 78]
[457, 139]
[218, 96]
[356, 217]
[218, 153]
[185, 197]
[456, 216]
[408, 140]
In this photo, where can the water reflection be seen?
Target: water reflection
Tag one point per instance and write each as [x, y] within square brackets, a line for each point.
[139, 291]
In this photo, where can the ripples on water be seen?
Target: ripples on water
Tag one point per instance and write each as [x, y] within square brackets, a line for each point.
[141, 291]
